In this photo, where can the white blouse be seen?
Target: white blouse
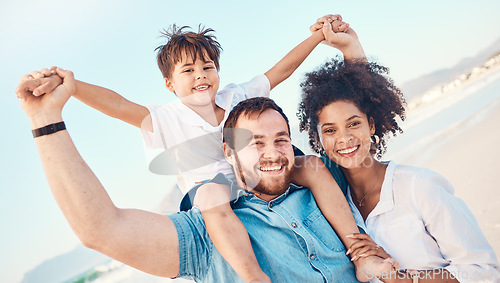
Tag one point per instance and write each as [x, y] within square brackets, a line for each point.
[423, 226]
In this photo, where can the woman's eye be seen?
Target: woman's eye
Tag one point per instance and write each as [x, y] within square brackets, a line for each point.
[329, 131]
[353, 124]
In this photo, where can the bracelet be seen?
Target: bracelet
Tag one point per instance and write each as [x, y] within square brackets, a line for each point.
[49, 129]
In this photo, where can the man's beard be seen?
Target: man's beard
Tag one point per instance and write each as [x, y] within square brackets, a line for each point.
[270, 186]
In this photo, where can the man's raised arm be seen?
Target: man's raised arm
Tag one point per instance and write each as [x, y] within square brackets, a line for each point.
[141, 239]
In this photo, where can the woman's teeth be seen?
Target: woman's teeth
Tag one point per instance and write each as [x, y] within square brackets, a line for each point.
[347, 150]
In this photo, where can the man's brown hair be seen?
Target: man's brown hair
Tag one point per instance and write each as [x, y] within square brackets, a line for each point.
[256, 105]
[186, 43]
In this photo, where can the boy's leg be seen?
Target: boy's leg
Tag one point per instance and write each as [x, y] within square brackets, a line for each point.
[227, 232]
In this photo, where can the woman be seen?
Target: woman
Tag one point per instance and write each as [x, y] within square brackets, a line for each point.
[349, 110]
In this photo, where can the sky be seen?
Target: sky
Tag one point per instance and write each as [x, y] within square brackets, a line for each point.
[111, 44]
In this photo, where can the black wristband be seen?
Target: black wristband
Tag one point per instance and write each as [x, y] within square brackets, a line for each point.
[49, 129]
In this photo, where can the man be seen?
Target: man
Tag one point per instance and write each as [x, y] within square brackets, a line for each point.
[290, 237]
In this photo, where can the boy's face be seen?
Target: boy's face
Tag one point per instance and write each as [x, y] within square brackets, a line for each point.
[195, 82]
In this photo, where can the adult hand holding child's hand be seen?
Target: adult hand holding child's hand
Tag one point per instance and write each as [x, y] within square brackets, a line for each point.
[42, 109]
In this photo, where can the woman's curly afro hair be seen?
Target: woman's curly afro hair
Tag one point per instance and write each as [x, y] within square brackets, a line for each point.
[364, 84]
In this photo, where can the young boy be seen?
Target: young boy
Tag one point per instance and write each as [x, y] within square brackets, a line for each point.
[190, 129]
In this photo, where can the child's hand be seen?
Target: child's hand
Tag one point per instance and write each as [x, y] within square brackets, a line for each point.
[334, 20]
[48, 80]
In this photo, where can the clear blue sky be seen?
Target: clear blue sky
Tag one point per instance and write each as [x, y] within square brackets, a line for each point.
[111, 43]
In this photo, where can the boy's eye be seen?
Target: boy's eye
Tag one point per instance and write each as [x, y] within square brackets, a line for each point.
[187, 70]
[209, 67]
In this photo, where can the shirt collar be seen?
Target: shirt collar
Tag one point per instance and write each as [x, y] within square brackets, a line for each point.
[386, 202]
[188, 116]
[243, 195]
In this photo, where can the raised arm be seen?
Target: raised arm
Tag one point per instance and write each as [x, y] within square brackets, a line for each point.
[347, 42]
[144, 240]
[102, 99]
[328, 29]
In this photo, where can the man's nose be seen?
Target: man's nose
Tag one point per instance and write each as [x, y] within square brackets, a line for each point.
[271, 152]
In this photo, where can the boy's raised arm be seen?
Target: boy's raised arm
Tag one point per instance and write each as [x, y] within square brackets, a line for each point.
[100, 98]
[329, 29]
[113, 104]
[144, 240]
[286, 66]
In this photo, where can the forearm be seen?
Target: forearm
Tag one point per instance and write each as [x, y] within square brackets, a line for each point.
[141, 239]
[354, 52]
[76, 189]
[312, 173]
[286, 66]
[110, 103]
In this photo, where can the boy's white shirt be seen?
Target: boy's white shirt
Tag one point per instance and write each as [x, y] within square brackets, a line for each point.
[196, 145]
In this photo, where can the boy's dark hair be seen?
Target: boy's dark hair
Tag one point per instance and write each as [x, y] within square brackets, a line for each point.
[364, 84]
[181, 43]
[256, 105]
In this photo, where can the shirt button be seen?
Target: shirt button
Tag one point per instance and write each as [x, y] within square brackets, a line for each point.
[312, 256]
[271, 204]
[245, 194]
[294, 225]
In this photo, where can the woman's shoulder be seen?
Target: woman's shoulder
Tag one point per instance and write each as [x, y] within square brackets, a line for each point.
[422, 179]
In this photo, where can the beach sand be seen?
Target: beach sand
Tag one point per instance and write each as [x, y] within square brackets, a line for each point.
[467, 154]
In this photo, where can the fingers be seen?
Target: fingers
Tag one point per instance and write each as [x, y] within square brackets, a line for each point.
[360, 244]
[48, 84]
[328, 19]
[41, 73]
[339, 26]
[368, 251]
[359, 236]
[364, 240]
[317, 26]
[68, 80]
[26, 86]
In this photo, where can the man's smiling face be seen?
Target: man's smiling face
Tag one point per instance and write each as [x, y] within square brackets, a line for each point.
[265, 164]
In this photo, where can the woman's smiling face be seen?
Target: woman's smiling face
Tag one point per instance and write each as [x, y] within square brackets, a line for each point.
[345, 134]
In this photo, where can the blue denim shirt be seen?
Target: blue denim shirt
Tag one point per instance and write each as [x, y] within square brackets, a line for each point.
[291, 239]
